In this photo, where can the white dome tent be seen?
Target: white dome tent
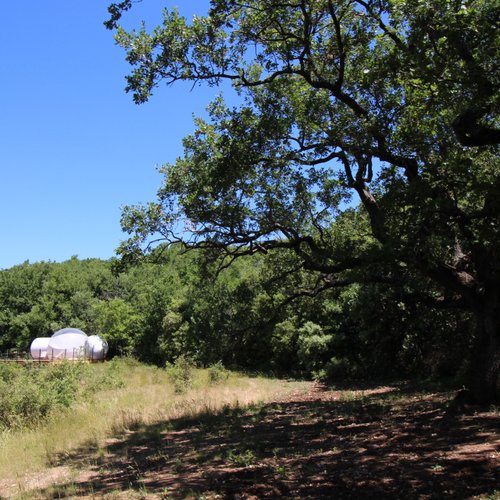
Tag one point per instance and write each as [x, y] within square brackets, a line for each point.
[38, 348]
[70, 344]
[98, 348]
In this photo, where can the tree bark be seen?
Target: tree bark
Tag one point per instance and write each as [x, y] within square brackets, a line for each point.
[484, 371]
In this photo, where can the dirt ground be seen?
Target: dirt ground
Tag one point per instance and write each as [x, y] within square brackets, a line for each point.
[380, 442]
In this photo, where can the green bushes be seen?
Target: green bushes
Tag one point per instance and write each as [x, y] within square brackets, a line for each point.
[217, 373]
[28, 394]
[313, 346]
[181, 305]
[181, 373]
[22, 401]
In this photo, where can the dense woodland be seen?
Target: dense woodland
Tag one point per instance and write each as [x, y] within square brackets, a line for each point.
[257, 315]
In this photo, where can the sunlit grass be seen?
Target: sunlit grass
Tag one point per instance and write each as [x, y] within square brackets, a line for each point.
[147, 397]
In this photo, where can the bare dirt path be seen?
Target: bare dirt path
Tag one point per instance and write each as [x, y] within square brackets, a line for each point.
[380, 442]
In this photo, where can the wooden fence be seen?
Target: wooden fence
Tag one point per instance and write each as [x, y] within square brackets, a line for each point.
[22, 357]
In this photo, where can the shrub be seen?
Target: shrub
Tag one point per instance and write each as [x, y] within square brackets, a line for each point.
[28, 394]
[217, 373]
[313, 347]
[181, 373]
[106, 376]
[24, 401]
[241, 459]
[335, 369]
[62, 380]
[9, 371]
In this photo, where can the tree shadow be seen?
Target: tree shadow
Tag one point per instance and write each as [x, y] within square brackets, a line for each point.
[339, 444]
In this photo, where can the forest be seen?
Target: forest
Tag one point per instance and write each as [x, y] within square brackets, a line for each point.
[258, 315]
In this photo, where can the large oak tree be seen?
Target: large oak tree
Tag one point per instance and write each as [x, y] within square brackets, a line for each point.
[392, 102]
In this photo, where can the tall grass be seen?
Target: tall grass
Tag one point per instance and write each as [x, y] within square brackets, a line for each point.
[116, 397]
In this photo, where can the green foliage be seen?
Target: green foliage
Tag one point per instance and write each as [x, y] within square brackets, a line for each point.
[393, 102]
[217, 373]
[241, 459]
[284, 346]
[240, 319]
[62, 380]
[181, 373]
[24, 402]
[313, 344]
[117, 320]
[106, 376]
[29, 394]
[8, 372]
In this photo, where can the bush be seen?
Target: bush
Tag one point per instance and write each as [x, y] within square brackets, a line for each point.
[9, 371]
[106, 376]
[28, 394]
[181, 373]
[313, 347]
[337, 368]
[62, 380]
[24, 401]
[217, 373]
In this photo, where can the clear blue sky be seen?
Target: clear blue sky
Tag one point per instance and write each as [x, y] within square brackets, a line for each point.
[74, 148]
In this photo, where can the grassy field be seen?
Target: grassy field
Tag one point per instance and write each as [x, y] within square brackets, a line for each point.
[115, 399]
[138, 432]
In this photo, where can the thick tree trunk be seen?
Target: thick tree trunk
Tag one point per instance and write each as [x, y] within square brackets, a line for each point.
[484, 373]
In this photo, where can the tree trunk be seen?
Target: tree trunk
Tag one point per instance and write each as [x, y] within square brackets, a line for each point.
[484, 372]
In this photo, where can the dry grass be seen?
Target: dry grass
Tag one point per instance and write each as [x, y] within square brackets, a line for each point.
[148, 397]
[390, 441]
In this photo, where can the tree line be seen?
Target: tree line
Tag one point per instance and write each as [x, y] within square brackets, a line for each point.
[257, 315]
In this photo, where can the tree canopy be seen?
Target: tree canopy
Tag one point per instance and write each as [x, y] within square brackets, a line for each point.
[245, 318]
[390, 103]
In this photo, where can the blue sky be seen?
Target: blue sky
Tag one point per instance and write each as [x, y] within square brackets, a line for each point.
[74, 147]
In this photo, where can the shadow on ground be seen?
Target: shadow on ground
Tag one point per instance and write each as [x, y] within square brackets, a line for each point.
[378, 443]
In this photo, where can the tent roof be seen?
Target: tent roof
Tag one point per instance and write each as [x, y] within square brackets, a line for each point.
[68, 340]
[64, 331]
